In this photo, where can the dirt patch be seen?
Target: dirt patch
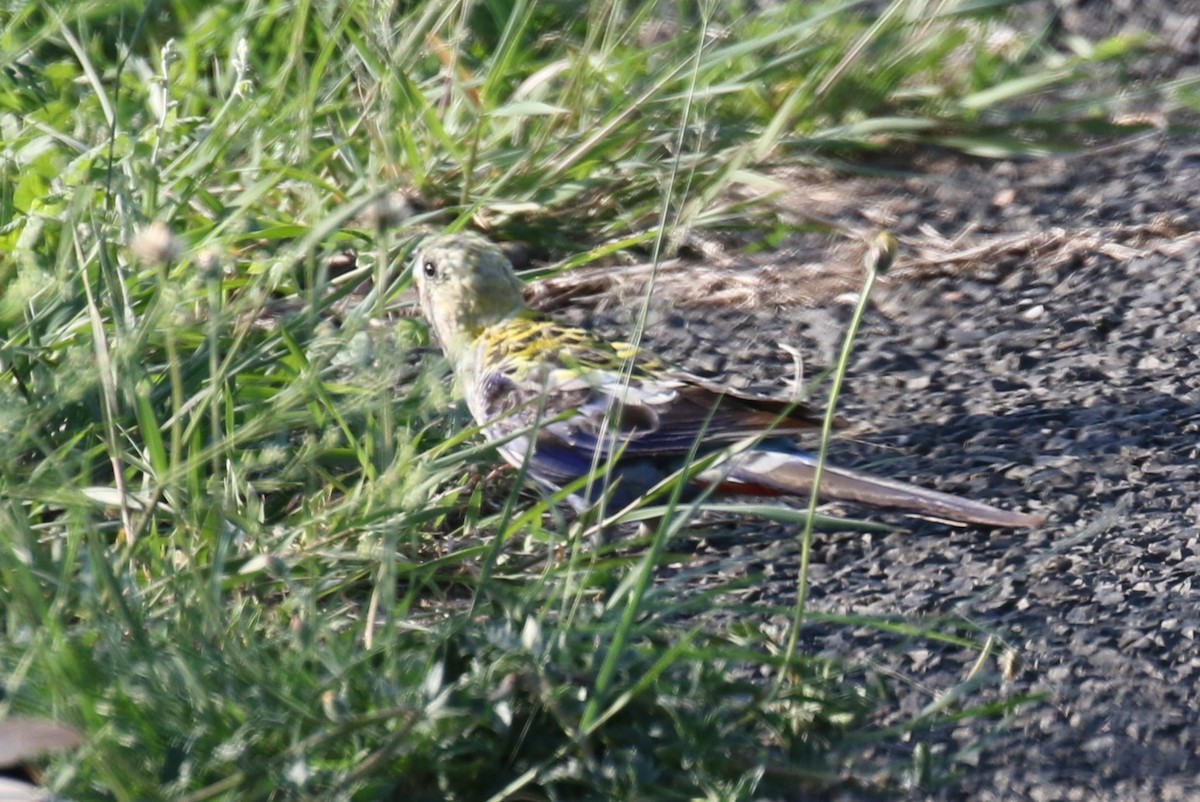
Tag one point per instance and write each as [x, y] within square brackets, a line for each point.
[1037, 346]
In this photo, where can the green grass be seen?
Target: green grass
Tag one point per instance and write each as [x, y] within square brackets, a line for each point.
[254, 554]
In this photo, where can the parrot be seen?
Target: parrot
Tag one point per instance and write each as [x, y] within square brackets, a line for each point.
[563, 402]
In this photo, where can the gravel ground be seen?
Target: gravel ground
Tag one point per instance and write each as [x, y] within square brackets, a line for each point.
[1061, 376]
[1038, 347]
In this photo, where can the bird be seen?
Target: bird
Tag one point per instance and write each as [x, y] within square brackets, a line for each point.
[564, 403]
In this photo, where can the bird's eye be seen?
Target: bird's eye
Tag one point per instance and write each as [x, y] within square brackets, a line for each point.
[430, 268]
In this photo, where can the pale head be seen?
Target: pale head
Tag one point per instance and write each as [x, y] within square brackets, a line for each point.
[465, 284]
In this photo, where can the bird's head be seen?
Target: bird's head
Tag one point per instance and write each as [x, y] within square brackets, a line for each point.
[465, 284]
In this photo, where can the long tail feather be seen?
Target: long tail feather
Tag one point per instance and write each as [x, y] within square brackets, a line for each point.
[792, 474]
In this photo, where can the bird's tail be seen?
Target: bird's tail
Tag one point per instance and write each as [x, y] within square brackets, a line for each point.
[784, 473]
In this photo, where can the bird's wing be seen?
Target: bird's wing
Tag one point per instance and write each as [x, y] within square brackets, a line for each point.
[583, 421]
[662, 415]
[588, 394]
